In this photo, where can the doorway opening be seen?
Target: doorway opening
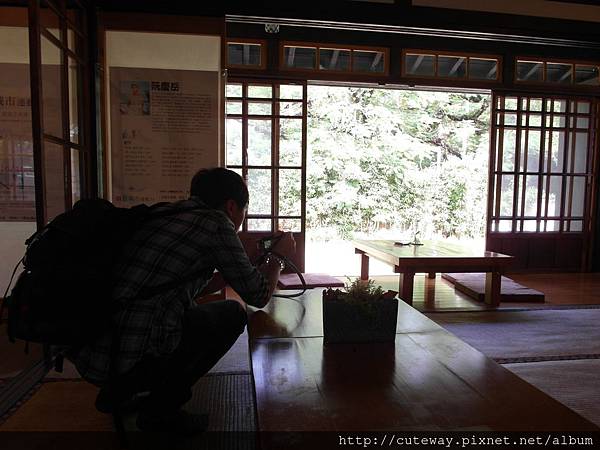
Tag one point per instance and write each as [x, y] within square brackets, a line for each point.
[393, 164]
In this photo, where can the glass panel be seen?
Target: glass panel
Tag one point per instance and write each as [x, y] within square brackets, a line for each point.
[510, 103]
[290, 184]
[529, 225]
[290, 109]
[259, 109]
[535, 104]
[507, 196]
[581, 148]
[559, 73]
[243, 54]
[259, 188]
[291, 92]
[300, 57]
[554, 196]
[49, 20]
[260, 91]
[530, 71]
[510, 119]
[75, 176]
[452, 66]
[290, 142]
[259, 224]
[535, 120]
[533, 150]
[259, 142]
[233, 131]
[233, 107]
[508, 151]
[290, 225]
[519, 199]
[583, 122]
[233, 90]
[559, 121]
[557, 150]
[505, 226]
[483, 69]
[559, 106]
[52, 88]
[365, 61]
[334, 59]
[587, 75]
[531, 195]
[74, 87]
[421, 65]
[552, 225]
[576, 225]
[54, 179]
[583, 107]
[578, 196]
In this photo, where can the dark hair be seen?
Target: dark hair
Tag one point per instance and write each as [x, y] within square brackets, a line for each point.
[217, 185]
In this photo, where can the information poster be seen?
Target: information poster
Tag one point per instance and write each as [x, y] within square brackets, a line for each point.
[17, 189]
[164, 127]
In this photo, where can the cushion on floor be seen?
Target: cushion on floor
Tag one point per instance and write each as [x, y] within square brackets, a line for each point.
[473, 285]
[313, 280]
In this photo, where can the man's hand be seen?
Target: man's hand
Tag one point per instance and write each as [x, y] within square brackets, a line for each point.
[286, 245]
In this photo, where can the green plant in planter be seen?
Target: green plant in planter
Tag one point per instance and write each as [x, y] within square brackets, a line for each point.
[361, 312]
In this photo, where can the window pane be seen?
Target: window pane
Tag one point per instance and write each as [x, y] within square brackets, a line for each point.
[259, 142]
[364, 61]
[559, 106]
[554, 196]
[243, 54]
[234, 90]
[75, 176]
[510, 103]
[508, 151]
[535, 120]
[290, 225]
[233, 132]
[259, 108]
[290, 142]
[260, 91]
[54, 179]
[535, 104]
[509, 119]
[52, 88]
[529, 225]
[530, 71]
[233, 107]
[75, 80]
[290, 192]
[531, 194]
[578, 196]
[559, 73]
[505, 226]
[581, 147]
[259, 188]
[290, 109]
[334, 59]
[576, 225]
[582, 122]
[452, 66]
[552, 225]
[533, 150]
[421, 65]
[586, 75]
[557, 151]
[300, 57]
[558, 121]
[259, 225]
[483, 69]
[507, 196]
[291, 91]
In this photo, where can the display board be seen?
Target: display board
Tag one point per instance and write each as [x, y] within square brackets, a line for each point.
[164, 127]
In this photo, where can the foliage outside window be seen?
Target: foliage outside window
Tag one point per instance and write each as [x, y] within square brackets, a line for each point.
[425, 64]
[330, 58]
[531, 70]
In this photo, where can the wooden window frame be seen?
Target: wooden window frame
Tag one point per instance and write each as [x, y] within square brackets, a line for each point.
[436, 54]
[573, 62]
[263, 53]
[327, 46]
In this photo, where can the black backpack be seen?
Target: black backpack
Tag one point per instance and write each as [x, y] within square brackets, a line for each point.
[63, 296]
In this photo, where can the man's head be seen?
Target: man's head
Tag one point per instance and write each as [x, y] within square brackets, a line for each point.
[222, 189]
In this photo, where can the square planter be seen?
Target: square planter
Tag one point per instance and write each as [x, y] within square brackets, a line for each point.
[345, 322]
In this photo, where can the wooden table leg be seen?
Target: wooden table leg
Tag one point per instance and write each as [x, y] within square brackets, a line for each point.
[407, 281]
[364, 266]
[492, 288]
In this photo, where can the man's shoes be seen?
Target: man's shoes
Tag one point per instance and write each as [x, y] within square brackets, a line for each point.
[107, 402]
[180, 422]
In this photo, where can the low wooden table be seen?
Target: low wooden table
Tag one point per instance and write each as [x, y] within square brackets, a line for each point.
[433, 257]
[427, 380]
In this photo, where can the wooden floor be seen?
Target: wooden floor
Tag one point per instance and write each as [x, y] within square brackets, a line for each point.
[559, 288]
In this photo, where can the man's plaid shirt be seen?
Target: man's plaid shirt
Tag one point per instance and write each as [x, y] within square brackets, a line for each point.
[165, 249]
